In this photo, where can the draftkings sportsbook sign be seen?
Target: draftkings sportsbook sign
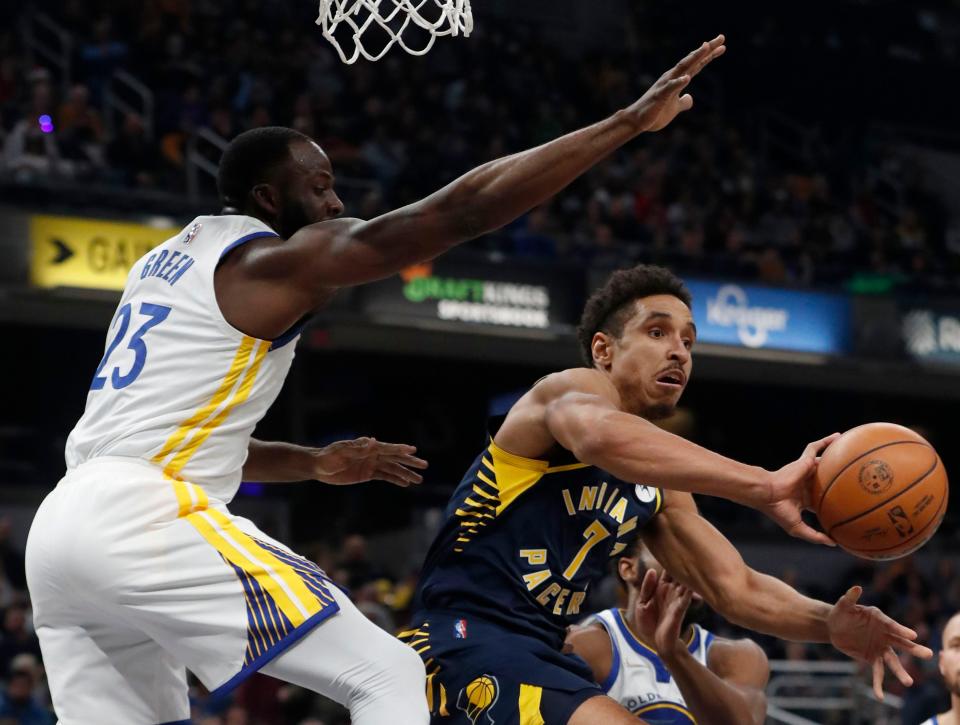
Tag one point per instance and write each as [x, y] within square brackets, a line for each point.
[489, 295]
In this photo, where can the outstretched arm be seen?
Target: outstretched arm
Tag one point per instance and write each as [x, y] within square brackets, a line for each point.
[344, 252]
[692, 551]
[580, 410]
[340, 463]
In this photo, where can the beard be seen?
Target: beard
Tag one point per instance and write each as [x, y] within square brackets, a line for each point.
[953, 685]
[293, 218]
[696, 613]
[659, 411]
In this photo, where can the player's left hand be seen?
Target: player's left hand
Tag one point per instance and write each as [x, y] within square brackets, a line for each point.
[660, 609]
[869, 635]
[367, 459]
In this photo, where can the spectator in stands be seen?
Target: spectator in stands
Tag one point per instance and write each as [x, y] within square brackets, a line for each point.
[81, 128]
[16, 637]
[32, 149]
[133, 156]
[17, 705]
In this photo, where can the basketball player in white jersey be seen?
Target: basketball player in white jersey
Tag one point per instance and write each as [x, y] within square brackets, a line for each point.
[135, 565]
[660, 664]
[950, 670]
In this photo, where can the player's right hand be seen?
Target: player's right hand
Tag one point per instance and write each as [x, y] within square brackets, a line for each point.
[662, 102]
[790, 493]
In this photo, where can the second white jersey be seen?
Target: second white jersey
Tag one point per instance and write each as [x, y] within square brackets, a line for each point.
[639, 680]
[178, 385]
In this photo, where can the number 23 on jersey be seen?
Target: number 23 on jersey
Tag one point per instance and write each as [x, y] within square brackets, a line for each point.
[155, 314]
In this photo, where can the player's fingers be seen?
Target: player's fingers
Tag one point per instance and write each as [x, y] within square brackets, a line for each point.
[648, 586]
[686, 102]
[673, 86]
[397, 449]
[878, 678]
[852, 596]
[803, 531]
[896, 667]
[816, 447]
[690, 60]
[892, 625]
[409, 461]
[910, 648]
[396, 471]
[708, 59]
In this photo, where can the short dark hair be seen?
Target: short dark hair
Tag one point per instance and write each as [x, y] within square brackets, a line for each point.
[249, 159]
[609, 308]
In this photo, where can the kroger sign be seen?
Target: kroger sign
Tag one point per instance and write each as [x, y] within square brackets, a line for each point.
[777, 319]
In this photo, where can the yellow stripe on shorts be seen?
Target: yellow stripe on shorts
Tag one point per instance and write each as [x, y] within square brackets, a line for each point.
[530, 705]
[275, 577]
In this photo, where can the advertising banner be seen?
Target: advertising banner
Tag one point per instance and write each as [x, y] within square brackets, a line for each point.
[767, 318]
[931, 330]
[89, 253]
[495, 295]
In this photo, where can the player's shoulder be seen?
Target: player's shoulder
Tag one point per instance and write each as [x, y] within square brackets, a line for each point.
[588, 381]
[591, 642]
[738, 656]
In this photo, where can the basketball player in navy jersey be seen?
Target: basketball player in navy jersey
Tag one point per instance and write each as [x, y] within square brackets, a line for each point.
[656, 660]
[566, 480]
[950, 670]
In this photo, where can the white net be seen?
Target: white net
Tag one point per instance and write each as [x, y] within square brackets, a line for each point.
[414, 25]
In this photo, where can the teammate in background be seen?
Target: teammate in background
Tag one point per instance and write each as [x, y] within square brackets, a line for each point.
[950, 669]
[135, 565]
[564, 484]
[655, 660]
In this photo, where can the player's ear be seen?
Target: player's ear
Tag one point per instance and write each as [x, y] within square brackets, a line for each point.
[266, 197]
[627, 568]
[602, 348]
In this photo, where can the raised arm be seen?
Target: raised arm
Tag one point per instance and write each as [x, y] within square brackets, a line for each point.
[729, 689]
[693, 552]
[343, 252]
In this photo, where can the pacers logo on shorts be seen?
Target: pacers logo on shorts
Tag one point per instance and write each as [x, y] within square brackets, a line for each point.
[478, 697]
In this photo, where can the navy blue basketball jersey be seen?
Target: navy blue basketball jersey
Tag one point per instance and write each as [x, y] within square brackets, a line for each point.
[524, 539]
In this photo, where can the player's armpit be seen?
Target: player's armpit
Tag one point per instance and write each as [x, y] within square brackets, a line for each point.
[592, 644]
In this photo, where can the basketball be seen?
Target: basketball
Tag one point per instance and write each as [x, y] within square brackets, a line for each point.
[880, 491]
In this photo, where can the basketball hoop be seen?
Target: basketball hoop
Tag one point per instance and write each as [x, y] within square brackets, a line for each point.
[423, 21]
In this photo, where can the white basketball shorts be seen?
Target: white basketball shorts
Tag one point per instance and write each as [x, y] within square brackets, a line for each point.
[134, 576]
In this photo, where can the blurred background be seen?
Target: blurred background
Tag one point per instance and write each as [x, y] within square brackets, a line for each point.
[811, 199]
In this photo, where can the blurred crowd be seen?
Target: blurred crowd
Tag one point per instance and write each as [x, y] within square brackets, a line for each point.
[730, 191]
[923, 599]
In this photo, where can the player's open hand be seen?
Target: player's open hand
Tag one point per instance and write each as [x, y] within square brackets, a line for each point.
[660, 608]
[868, 635]
[663, 101]
[790, 493]
[367, 459]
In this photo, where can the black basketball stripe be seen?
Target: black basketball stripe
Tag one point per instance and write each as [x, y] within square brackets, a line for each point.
[935, 522]
[854, 460]
[936, 462]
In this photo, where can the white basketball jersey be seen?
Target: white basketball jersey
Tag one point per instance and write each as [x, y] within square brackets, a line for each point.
[178, 385]
[639, 680]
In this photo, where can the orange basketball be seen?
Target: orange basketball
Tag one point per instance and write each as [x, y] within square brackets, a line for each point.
[880, 491]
